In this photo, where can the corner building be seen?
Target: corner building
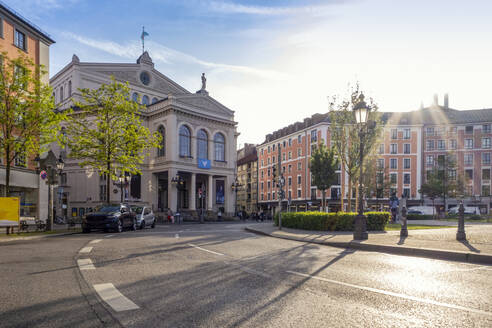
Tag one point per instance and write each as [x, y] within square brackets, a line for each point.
[198, 144]
[18, 34]
[410, 145]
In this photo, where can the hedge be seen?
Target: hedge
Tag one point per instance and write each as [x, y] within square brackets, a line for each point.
[411, 216]
[341, 221]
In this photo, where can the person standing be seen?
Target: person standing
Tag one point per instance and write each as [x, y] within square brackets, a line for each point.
[394, 204]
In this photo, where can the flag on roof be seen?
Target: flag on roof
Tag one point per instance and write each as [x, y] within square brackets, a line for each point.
[144, 34]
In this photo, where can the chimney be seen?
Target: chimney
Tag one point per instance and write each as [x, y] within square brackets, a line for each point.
[436, 101]
[446, 100]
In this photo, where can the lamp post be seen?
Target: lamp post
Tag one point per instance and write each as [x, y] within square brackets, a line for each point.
[361, 111]
[235, 187]
[54, 168]
[123, 181]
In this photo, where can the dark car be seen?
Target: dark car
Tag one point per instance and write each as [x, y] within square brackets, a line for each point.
[110, 217]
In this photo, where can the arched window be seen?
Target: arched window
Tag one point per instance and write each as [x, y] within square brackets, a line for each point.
[135, 97]
[154, 100]
[61, 94]
[162, 151]
[202, 144]
[219, 144]
[145, 100]
[69, 88]
[184, 141]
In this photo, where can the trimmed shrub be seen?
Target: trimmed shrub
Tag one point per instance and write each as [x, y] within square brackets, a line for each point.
[340, 221]
[420, 217]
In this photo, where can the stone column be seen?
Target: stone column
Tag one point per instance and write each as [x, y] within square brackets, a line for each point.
[210, 192]
[192, 200]
[172, 191]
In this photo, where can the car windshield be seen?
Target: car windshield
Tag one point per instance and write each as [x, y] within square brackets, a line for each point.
[137, 209]
[109, 209]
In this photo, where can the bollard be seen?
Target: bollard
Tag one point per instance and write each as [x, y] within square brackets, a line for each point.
[461, 235]
[404, 230]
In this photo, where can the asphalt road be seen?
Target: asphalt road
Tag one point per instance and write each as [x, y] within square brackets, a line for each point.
[218, 275]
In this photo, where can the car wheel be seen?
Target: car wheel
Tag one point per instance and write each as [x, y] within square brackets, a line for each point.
[86, 230]
[134, 226]
[142, 225]
[153, 224]
[119, 228]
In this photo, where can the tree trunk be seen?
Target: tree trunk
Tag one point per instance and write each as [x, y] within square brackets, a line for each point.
[349, 195]
[324, 200]
[7, 172]
[108, 183]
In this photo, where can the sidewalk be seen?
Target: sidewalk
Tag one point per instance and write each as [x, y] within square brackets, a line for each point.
[431, 243]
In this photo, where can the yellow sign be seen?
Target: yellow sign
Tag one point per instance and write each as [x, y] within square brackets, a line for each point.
[9, 211]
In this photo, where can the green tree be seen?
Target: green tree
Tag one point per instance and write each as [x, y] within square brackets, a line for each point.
[443, 181]
[106, 133]
[346, 136]
[376, 178]
[323, 165]
[28, 122]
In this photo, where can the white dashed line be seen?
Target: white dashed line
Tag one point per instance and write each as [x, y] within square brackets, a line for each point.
[95, 241]
[205, 250]
[114, 298]
[85, 250]
[385, 292]
[108, 236]
[86, 264]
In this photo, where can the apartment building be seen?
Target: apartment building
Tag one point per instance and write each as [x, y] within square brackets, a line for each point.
[247, 176]
[19, 35]
[411, 144]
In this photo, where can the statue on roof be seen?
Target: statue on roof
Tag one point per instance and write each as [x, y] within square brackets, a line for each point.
[204, 82]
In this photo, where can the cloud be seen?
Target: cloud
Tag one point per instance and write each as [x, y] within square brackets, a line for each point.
[234, 8]
[167, 55]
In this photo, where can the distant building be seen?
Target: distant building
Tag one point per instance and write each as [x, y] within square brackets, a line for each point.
[247, 175]
[19, 34]
[198, 145]
[412, 144]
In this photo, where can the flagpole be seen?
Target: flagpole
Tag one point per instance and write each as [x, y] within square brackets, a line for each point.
[143, 39]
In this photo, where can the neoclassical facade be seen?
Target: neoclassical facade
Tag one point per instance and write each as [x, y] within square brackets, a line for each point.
[195, 167]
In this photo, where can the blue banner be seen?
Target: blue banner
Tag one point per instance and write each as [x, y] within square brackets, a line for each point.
[203, 163]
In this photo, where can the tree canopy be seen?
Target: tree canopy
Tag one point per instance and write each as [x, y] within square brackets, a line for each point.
[105, 132]
[323, 165]
[28, 121]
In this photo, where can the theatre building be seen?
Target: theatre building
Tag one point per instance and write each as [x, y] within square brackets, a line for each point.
[195, 167]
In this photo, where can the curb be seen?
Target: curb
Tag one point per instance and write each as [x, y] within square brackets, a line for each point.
[436, 254]
[20, 238]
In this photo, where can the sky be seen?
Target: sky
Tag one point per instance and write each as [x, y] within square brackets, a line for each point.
[277, 62]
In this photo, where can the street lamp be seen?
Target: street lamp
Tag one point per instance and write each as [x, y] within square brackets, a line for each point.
[361, 111]
[123, 181]
[235, 187]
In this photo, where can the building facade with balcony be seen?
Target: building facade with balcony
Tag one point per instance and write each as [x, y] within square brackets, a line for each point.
[19, 35]
[411, 144]
[247, 177]
[195, 167]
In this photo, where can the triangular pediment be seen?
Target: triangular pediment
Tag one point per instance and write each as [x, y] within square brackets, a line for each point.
[205, 103]
[131, 73]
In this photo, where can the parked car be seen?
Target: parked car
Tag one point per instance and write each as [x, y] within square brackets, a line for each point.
[469, 210]
[145, 216]
[423, 210]
[110, 217]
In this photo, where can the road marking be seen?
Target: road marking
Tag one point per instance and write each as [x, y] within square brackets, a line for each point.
[114, 298]
[95, 241]
[85, 264]
[108, 236]
[385, 292]
[85, 250]
[176, 236]
[205, 250]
